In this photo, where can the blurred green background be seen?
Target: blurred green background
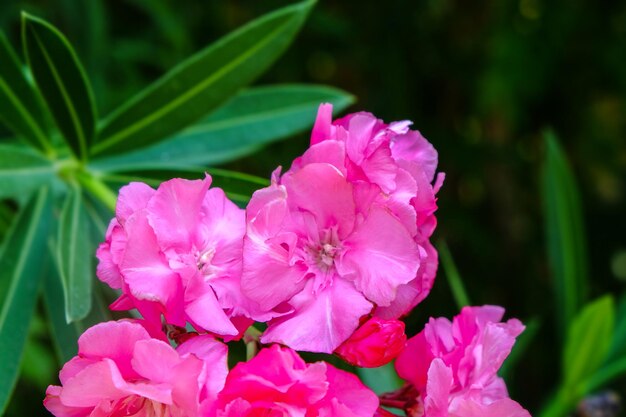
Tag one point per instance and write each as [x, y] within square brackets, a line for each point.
[480, 80]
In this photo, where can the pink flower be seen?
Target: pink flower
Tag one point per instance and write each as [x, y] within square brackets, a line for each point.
[120, 370]
[374, 344]
[277, 382]
[393, 166]
[453, 365]
[176, 251]
[343, 234]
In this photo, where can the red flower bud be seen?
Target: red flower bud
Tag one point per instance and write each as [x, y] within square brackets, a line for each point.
[374, 344]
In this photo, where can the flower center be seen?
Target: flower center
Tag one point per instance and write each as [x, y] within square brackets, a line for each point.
[203, 260]
[323, 253]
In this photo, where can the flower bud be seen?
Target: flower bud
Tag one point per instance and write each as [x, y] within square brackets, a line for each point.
[374, 344]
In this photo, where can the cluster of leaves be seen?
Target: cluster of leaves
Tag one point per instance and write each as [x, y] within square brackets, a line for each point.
[64, 165]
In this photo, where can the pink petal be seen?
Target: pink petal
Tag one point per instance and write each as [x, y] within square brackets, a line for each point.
[203, 309]
[113, 340]
[174, 211]
[269, 276]
[144, 267]
[322, 321]
[411, 294]
[92, 384]
[132, 198]
[414, 148]
[438, 389]
[380, 256]
[214, 354]
[149, 352]
[333, 202]
[331, 152]
[322, 127]
[350, 392]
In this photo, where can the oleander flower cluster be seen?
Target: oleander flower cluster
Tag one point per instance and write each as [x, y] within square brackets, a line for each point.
[327, 259]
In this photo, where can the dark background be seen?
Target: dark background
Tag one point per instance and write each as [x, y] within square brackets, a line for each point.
[481, 80]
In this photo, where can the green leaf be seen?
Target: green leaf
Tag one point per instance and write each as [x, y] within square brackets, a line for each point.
[63, 334]
[588, 341]
[20, 109]
[201, 83]
[250, 120]
[74, 254]
[22, 170]
[567, 253]
[380, 380]
[237, 185]
[452, 274]
[618, 345]
[62, 82]
[20, 262]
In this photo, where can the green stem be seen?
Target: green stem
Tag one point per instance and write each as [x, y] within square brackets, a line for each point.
[251, 339]
[452, 274]
[98, 189]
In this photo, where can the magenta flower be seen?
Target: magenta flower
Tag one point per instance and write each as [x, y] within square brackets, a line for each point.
[453, 365]
[374, 344]
[120, 370]
[344, 233]
[278, 383]
[176, 251]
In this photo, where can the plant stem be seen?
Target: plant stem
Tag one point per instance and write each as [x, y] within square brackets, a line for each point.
[98, 189]
[452, 274]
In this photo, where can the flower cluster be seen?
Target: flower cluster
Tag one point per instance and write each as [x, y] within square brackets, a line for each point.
[329, 256]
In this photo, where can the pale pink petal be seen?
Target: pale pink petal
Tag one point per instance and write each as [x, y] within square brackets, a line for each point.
[109, 254]
[438, 389]
[380, 256]
[132, 198]
[505, 407]
[322, 321]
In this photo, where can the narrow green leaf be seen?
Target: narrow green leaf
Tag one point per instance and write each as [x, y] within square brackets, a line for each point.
[564, 231]
[20, 110]
[380, 380]
[20, 262]
[453, 276]
[63, 334]
[62, 82]
[22, 170]
[250, 120]
[201, 83]
[74, 254]
[588, 341]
